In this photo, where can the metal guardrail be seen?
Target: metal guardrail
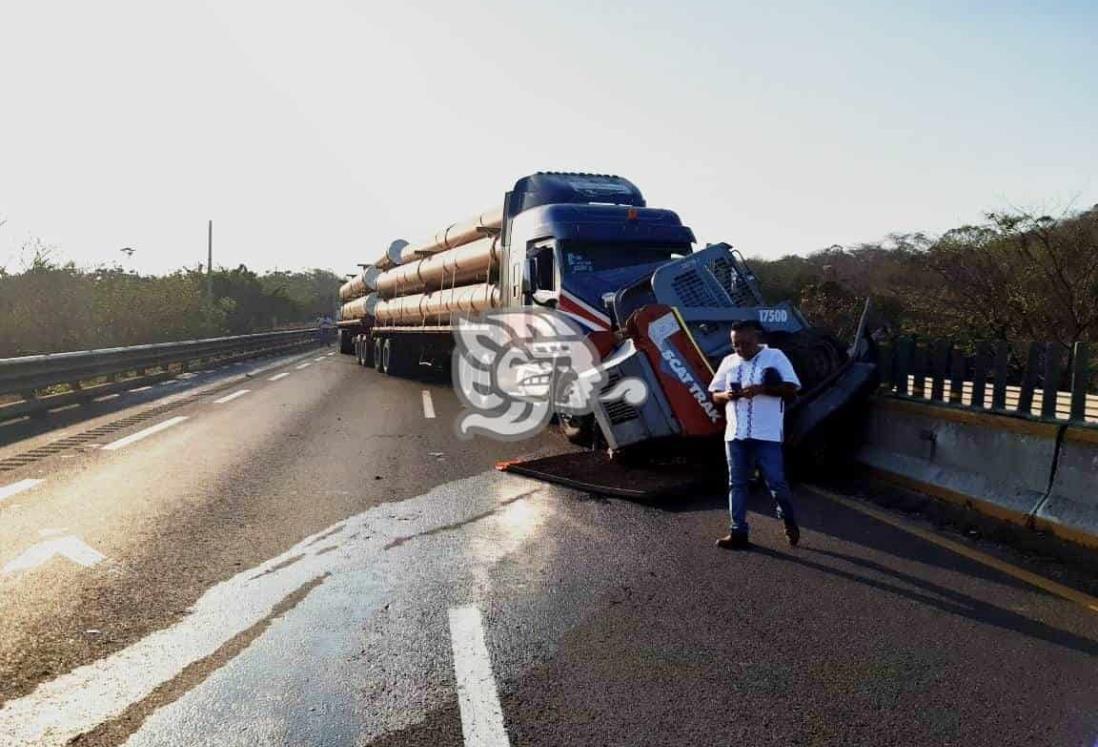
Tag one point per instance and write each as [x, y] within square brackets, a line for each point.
[28, 375]
[1043, 382]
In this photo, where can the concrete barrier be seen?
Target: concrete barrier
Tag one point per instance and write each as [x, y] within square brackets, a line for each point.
[996, 464]
[1070, 510]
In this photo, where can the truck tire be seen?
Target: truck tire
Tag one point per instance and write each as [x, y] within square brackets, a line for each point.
[397, 356]
[815, 356]
[346, 342]
[389, 354]
[358, 349]
[579, 430]
[367, 352]
[379, 355]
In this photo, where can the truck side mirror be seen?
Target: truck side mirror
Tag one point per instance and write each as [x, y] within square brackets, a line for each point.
[544, 298]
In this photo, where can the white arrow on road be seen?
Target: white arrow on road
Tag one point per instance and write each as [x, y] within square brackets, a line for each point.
[71, 546]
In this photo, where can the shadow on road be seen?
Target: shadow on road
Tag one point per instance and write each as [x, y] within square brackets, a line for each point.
[823, 516]
[937, 596]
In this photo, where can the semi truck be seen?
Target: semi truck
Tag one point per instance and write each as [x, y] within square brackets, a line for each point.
[556, 242]
[628, 275]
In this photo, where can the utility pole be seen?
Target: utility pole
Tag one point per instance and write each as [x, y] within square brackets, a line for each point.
[209, 261]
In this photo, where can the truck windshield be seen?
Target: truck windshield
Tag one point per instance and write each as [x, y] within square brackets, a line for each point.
[578, 259]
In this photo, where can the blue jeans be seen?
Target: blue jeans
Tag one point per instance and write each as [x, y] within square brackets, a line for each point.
[743, 455]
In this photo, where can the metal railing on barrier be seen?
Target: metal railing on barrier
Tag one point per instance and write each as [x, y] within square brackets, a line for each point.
[29, 376]
[1046, 383]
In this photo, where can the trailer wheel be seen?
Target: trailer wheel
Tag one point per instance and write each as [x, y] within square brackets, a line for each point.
[379, 358]
[396, 356]
[358, 349]
[346, 342]
[388, 355]
[367, 352]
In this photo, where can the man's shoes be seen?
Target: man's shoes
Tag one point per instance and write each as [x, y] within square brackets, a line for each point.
[734, 541]
[792, 532]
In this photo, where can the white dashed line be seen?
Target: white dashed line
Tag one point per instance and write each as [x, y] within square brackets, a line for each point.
[231, 397]
[78, 700]
[282, 375]
[66, 407]
[320, 358]
[481, 715]
[306, 364]
[105, 397]
[141, 389]
[7, 491]
[428, 405]
[145, 433]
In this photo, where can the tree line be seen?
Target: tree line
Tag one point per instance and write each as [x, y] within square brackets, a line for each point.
[49, 306]
[1016, 277]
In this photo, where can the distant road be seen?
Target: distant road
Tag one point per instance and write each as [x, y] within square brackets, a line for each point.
[308, 555]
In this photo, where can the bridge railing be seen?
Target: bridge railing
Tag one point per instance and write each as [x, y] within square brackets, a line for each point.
[34, 383]
[1041, 380]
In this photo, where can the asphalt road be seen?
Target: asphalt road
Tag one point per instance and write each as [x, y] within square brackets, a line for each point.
[318, 561]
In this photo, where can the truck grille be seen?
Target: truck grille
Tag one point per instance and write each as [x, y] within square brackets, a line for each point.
[692, 291]
[618, 411]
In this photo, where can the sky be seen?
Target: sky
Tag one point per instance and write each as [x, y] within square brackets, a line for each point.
[313, 134]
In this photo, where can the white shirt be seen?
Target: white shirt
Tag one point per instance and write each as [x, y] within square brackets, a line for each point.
[759, 417]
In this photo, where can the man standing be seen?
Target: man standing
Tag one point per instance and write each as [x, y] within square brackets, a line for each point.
[754, 383]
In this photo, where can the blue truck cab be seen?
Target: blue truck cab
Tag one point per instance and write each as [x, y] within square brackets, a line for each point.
[574, 240]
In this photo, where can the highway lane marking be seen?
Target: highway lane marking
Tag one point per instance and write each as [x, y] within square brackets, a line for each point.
[428, 405]
[63, 409]
[7, 491]
[306, 364]
[282, 375]
[1064, 592]
[231, 397]
[478, 699]
[320, 358]
[77, 701]
[144, 433]
[71, 547]
[141, 389]
[106, 397]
